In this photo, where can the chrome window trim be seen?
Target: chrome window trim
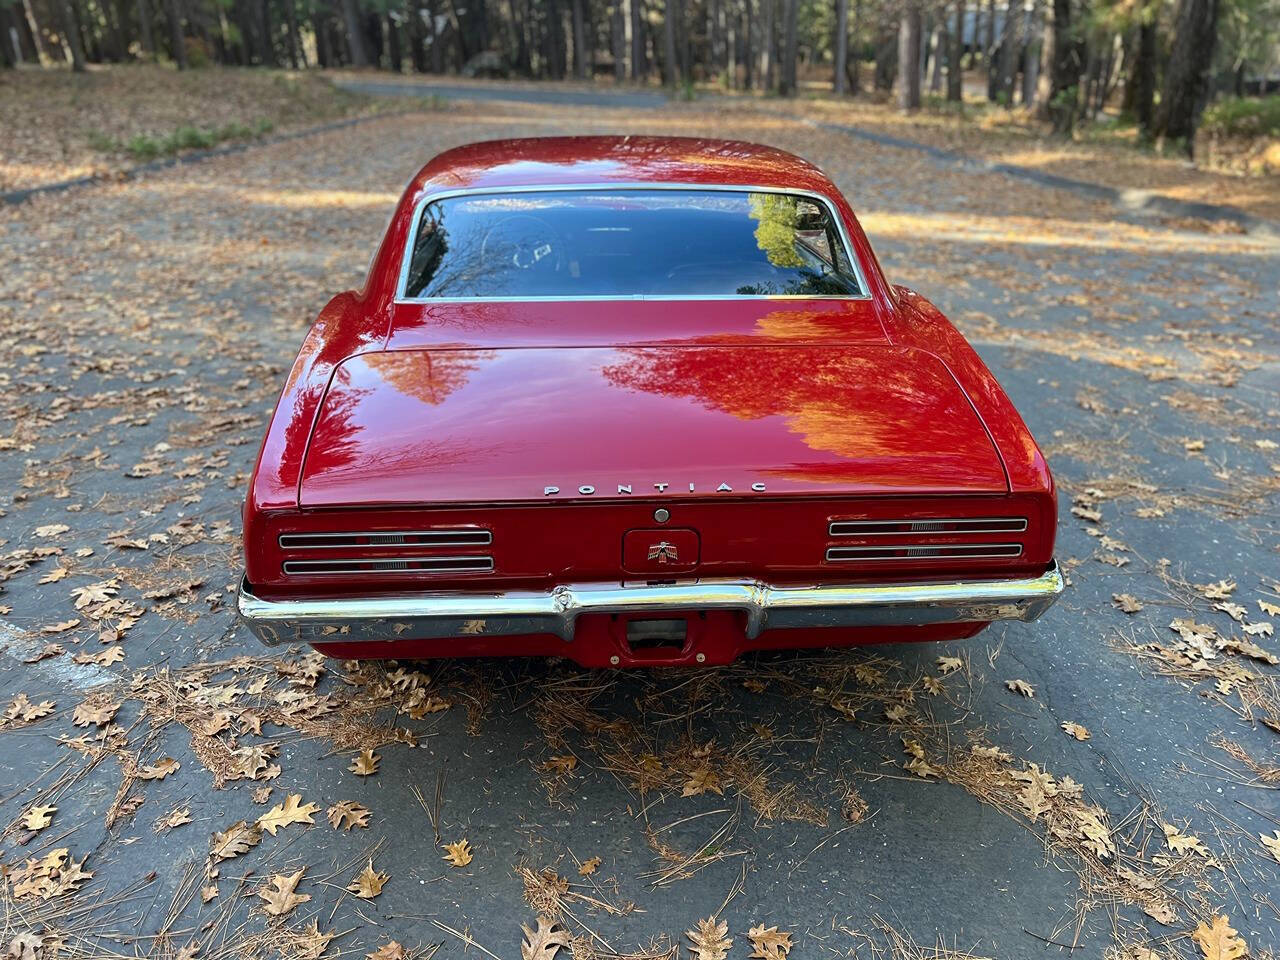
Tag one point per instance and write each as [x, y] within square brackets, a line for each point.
[406, 255]
[479, 565]
[479, 538]
[834, 528]
[1009, 551]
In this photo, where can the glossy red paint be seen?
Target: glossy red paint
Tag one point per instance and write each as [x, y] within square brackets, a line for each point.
[415, 416]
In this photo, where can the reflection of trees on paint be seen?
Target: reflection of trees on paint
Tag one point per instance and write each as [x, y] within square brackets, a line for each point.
[777, 221]
[868, 406]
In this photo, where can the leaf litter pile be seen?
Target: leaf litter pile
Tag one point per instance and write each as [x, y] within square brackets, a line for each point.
[176, 792]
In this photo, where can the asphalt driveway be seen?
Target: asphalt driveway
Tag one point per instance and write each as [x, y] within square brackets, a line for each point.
[894, 801]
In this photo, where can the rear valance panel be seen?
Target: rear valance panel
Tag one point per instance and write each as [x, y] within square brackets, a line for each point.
[511, 425]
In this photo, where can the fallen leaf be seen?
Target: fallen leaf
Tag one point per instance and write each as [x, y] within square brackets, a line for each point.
[1076, 730]
[174, 818]
[543, 943]
[160, 770]
[1272, 843]
[769, 943]
[54, 575]
[589, 867]
[1220, 941]
[51, 530]
[279, 895]
[368, 884]
[94, 711]
[1270, 609]
[234, 841]
[61, 627]
[391, 950]
[702, 780]
[710, 939]
[283, 814]
[458, 854]
[948, 665]
[921, 769]
[1022, 687]
[1127, 602]
[365, 764]
[37, 818]
[347, 814]
[1180, 842]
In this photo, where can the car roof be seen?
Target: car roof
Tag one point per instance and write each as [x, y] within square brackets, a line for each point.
[547, 161]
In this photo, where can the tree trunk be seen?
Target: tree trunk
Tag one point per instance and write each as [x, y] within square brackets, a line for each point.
[670, 68]
[71, 33]
[1065, 64]
[1143, 75]
[788, 85]
[1186, 79]
[767, 66]
[581, 61]
[618, 29]
[394, 53]
[955, 71]
[147, 28]
[842, 45]
[909, 36]
[938, 43]
[177, 40]
[639, 62]
[854, 66]
[1032, 54]
[887, 57]
[355, 33]
[297, 55]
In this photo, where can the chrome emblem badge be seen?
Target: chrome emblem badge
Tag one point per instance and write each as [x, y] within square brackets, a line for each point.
[663, 552]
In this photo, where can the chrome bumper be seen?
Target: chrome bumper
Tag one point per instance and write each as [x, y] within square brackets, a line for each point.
[458, 614]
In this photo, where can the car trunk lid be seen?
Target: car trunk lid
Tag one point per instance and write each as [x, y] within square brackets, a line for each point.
[674, 422]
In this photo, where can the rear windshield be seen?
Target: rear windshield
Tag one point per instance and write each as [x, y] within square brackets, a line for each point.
[629, 243]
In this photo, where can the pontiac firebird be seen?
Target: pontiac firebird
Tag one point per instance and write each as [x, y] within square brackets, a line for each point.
[636, 401]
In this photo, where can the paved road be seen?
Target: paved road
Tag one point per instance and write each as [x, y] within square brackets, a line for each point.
[150, 324]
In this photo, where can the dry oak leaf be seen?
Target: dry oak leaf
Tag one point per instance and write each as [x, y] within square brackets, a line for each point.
[37, 818]
[365, 764]
[920, 768]
[769, 944]
[1079, 731]
[94, 712]
[23, 710]
[159, 770]
[589, 867]
[368, 883]
[235, 840]
[51, 530]
[543, 943]
[458, 854]
[174, 818]
[562, 765]
[94, 593]
[1126, 602]
[61, 627]
[1272, 843]
[1022, 687]
[711, 940]
[1219, 942]
[1270, 609]
[346, 814]
[54, 575]
[948, 665]
[1180, 842]
[702, 780]
[391, 950]
[279, 896]
[283, 814]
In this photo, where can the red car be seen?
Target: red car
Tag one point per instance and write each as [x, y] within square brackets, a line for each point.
[637, 400]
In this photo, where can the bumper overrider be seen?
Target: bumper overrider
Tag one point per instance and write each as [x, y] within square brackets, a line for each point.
[428, 615]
